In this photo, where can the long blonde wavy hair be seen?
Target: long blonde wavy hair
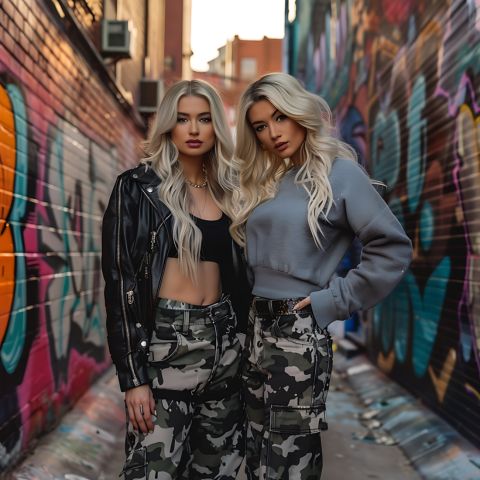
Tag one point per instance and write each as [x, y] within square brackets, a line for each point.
[173, 191]
[261, 170]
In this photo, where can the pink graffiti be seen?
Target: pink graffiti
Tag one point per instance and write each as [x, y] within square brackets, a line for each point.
[397, 12]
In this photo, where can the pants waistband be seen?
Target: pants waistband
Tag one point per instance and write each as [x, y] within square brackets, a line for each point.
[284, 306]
[185, 313]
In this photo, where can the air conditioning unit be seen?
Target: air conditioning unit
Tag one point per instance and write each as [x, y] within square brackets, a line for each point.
[116, 39]
[150, 94]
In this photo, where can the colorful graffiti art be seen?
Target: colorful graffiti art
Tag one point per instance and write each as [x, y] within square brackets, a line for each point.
[54, 185]
[403, 83]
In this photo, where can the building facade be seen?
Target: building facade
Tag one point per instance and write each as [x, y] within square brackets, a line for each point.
[69, 124]
[403, 80]
[238, 63]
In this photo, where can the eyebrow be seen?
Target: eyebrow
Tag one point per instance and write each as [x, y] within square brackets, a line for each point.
[271, 116]
[187, 114]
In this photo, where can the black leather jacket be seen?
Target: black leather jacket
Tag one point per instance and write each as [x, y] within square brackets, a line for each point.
[136, 238]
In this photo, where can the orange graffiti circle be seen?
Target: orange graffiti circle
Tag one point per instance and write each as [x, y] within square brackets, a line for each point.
[7, 177]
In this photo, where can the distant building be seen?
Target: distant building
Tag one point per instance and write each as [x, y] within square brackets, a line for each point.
[161, 47]
[238, 63]
[156, 49]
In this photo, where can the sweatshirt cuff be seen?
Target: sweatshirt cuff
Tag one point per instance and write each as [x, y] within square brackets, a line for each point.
[324, 308]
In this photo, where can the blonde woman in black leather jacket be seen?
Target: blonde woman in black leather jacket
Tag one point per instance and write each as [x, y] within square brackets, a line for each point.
[172, 275]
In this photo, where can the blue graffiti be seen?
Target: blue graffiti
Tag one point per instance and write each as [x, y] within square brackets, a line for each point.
[353, 131]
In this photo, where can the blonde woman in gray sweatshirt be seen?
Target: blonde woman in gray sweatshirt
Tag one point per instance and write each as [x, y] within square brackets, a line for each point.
[304, 199]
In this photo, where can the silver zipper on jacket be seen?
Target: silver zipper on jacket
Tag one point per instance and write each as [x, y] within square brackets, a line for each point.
[130, 297]
[146, 266]
[129, 294]
[163, 265]
[154, 238]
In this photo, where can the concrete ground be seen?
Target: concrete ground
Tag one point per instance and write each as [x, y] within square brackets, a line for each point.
[88, 444]
[349, 456]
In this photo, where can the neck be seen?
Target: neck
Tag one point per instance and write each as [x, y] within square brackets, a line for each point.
[296, 159]
[192, 169]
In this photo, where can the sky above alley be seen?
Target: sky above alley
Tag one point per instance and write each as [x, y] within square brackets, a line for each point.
[216, 21]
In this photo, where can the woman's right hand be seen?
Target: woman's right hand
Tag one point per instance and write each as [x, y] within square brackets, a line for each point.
[141, 407]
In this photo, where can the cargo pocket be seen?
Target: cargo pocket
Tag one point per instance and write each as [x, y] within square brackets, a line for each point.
[135, 467]
[294, 448]
[164, 343]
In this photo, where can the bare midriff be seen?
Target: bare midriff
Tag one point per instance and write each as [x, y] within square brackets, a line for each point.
[177, 286]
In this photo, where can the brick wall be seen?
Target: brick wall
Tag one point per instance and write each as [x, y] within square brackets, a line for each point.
[64, 137]
[403, 79]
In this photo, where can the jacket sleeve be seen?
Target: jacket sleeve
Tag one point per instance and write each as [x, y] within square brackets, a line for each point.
[385, 257]
[126, 337]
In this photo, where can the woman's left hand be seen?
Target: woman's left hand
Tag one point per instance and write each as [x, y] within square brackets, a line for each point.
[302, 303]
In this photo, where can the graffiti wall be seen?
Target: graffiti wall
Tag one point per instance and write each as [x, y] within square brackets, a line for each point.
[403, 79]
[58, 162]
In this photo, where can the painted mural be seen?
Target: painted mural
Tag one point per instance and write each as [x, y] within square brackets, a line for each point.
[404, 79]
[54, 185]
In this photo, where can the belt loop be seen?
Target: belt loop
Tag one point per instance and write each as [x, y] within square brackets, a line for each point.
[229, 306]
[290, 304]
[186, 321]
[270, 308]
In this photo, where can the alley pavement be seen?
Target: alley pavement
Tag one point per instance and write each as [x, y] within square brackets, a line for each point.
[376, 431]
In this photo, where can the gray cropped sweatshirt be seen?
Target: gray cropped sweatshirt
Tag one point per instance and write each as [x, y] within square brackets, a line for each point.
[286, 263]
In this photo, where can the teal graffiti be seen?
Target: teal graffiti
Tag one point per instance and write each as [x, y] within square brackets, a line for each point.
[63, 316]
[391, 321]
[94, 323]
[394, 312]
[426, 226]
[417, 143]
[385, 162]
[427, 311]
[14, 342]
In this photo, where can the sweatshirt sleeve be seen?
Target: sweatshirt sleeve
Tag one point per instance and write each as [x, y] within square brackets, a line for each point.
[385, 257]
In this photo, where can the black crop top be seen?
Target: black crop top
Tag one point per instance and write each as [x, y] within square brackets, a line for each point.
[217, 246]
[216, 240]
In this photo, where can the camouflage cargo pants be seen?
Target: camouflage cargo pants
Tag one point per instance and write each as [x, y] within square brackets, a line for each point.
[194, 365]
[287, 368]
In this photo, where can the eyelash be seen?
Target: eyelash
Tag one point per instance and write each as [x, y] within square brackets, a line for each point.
[280, 118]
[202, 120]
